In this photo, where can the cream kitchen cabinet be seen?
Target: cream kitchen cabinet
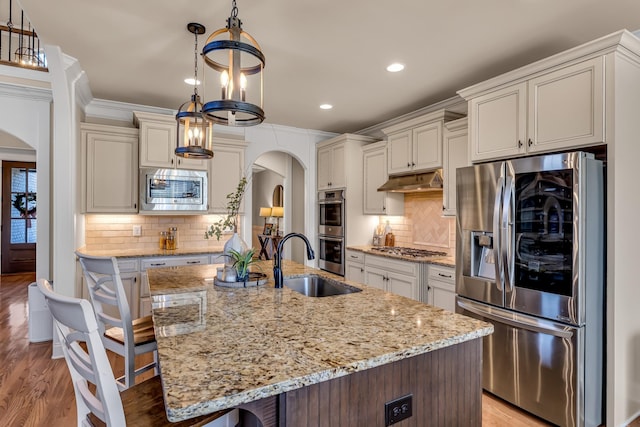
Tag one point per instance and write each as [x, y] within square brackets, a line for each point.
[226, 170]
[455, 155]
[354, 266]
[416, 145]
[393, 275]
[331, 166]
[441, 287]
[552, 110]
[158, 133]
[109, 168]
[376, 202]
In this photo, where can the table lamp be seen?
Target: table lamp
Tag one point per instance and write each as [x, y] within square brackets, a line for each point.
[277, 212]
[265, 213]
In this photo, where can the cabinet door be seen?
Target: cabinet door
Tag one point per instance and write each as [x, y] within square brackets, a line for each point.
[444, 295]
[400, 284]
[498, 123]
[399, 152]
[131, 282]
[227, 168]
[157, 144]
[566, 107]
[456, 155]
[338, 163]
[355, 272]
[111, 171]
[427, 147]
[375, 166]
[375, 277]
[324, 168]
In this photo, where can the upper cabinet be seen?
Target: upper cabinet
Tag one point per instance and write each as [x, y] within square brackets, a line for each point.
[109, 168]
[331, 163]
[547, 110]
[374, 157]
[455, 148]
[158, 133]
[226, 170]
[416, 145]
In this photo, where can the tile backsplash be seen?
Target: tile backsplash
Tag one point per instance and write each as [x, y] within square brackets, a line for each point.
[423, 225]
[107, 232]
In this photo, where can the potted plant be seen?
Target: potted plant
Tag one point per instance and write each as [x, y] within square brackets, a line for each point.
[241, 263]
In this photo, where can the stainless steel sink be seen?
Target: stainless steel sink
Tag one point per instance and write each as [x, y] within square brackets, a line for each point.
[318, 286]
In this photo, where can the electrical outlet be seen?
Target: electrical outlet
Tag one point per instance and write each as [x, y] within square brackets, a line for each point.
[398, 409]
[137, 230]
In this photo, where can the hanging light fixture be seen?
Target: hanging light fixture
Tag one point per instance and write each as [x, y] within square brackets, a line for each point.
[195, 133]
[238, 62]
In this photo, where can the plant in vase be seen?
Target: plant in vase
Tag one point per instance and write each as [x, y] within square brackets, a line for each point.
[230, 223]
[241, 263]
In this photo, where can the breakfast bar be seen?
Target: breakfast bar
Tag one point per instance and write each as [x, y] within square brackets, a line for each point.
[287, 357]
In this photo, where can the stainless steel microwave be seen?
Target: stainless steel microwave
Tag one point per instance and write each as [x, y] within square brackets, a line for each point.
[172, 190]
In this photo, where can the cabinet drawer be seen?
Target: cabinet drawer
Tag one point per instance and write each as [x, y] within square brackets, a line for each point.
[354, 256]
[127, 265]
[444, 274]
[390, 264]
[173, 261]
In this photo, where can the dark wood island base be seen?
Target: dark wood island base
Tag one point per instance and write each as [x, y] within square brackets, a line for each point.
[446, 386]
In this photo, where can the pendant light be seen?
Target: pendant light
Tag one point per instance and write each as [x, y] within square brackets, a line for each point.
[195, 133]
[237, 63]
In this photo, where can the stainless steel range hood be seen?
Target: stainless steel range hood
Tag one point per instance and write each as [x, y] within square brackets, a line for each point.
[427, 181]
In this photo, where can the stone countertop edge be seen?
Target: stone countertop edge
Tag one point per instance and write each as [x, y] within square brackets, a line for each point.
[301, 353]
[445, 261]
[141, 253]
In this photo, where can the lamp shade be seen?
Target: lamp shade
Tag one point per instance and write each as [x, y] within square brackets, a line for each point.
[277, 211]
[265, 212]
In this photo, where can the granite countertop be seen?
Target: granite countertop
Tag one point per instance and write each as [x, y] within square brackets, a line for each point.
[221, 347]
[126, 253]
[447, 261]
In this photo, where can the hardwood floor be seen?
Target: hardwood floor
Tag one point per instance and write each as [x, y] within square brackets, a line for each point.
[37, 391]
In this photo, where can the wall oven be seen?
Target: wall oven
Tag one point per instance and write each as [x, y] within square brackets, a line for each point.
[331, 231]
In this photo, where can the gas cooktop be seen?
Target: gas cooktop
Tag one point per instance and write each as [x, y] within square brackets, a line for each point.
[411, 252]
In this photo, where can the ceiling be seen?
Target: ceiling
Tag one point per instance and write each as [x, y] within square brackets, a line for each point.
[331, 51]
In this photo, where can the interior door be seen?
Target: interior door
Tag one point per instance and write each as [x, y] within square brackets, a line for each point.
[19, 217]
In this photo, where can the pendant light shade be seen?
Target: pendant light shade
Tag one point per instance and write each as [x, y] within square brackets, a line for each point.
[236, 61]
[195, 133]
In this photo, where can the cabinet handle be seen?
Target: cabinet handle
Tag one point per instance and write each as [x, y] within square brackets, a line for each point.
[530, 142]
[519, 144]
[135, 206]
[171, 161]
[384, 208]
[157, 264]
[361, 270]
[448, 276]
[408, 164]
[135, 280]
[413, 164]
[179, 161]
[353, 256]
[193, 262]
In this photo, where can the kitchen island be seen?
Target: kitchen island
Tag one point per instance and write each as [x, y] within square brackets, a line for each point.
[291, 359]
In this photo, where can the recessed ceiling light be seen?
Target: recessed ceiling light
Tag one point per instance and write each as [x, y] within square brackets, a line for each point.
[326, 106]
[190, 81]
[395, 67]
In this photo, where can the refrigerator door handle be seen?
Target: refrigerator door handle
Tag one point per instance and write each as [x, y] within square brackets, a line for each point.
[506, 233]
[497, 239]
[518, 320]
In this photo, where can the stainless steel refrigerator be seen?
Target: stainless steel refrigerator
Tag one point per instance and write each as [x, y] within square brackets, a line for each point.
[530, 260]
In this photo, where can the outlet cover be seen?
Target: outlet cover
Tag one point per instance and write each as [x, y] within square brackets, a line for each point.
[137, 230]
[398, 409]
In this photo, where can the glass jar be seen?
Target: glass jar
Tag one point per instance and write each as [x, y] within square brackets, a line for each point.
[173, 231]
[163, 240]
[170, 242]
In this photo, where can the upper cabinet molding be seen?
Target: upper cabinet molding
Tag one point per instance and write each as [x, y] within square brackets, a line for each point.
[622, 41]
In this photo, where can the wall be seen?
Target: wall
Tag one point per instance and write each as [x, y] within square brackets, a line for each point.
[423, 225]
